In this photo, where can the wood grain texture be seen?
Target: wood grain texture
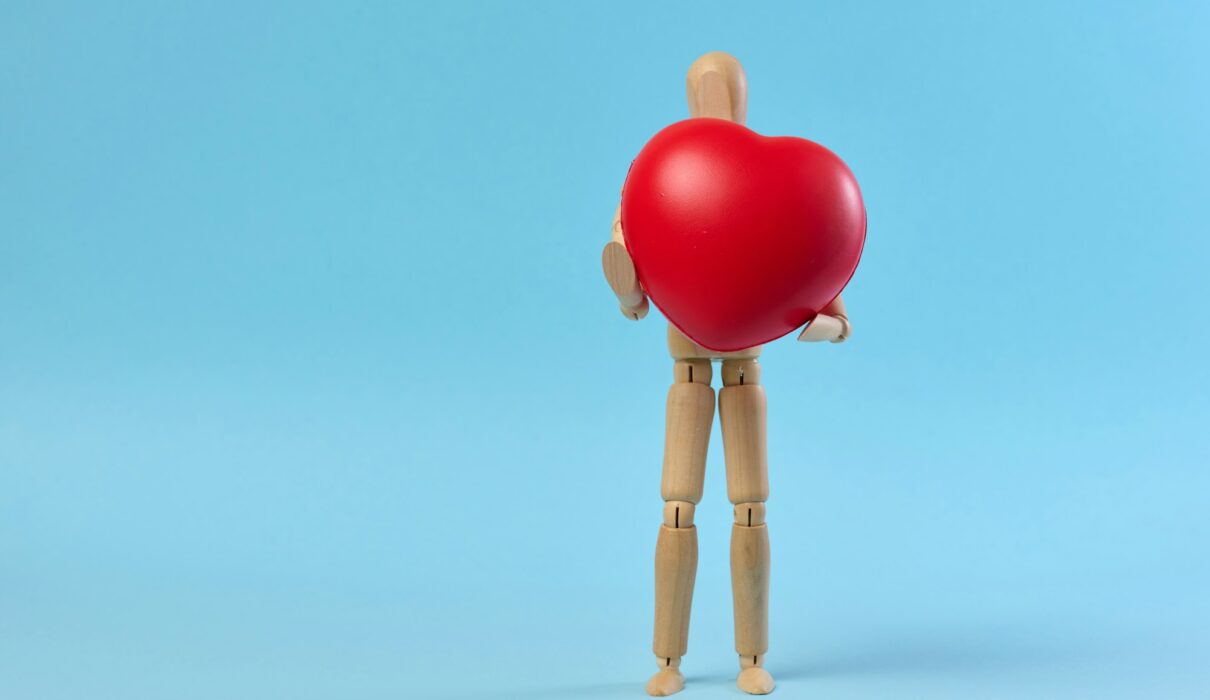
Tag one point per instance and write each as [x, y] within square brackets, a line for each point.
[750, 588]
[675, 570]
[832, 325]
[615, 230]
[624, 280]
[740, 371]
[697, 371]
[621, 275]
[716, 86]
[690, 413]
[742, 412]
[825, 328]
[679, 513]
[749, 514]
[742, 409]
[751, 661]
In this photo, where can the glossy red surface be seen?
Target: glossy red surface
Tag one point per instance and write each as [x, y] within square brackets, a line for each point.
[740, 238]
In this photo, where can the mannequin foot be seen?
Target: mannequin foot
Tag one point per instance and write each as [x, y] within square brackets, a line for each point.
[753, 679]
[667, 680]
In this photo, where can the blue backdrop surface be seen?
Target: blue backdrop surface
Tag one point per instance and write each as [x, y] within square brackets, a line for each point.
[310, 386]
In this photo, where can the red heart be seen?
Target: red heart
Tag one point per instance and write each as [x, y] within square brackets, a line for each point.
[740, 238]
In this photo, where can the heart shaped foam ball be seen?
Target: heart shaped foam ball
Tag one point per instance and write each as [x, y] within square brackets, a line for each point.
[740, 238]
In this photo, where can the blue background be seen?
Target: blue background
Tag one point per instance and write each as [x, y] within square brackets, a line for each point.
[310, 386]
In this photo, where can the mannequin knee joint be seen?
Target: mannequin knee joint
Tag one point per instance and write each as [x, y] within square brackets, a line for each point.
[692, 371]
[749, 514]
[678, 514]
[741, 372]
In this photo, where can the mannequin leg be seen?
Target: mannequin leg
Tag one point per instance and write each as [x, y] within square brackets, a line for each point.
[687, 434]
[742, 412]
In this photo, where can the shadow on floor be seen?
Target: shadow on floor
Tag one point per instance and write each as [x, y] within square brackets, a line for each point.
[982, 652]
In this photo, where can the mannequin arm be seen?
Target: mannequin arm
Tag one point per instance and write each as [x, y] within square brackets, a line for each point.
[621, 276]
[832, 324]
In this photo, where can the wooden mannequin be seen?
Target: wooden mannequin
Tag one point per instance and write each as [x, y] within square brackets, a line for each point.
[716, 87]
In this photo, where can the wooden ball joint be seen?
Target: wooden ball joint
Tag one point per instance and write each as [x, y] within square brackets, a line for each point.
[716, 87]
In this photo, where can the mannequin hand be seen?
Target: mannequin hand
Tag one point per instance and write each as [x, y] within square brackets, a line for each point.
[835, 329]
[620, 273]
